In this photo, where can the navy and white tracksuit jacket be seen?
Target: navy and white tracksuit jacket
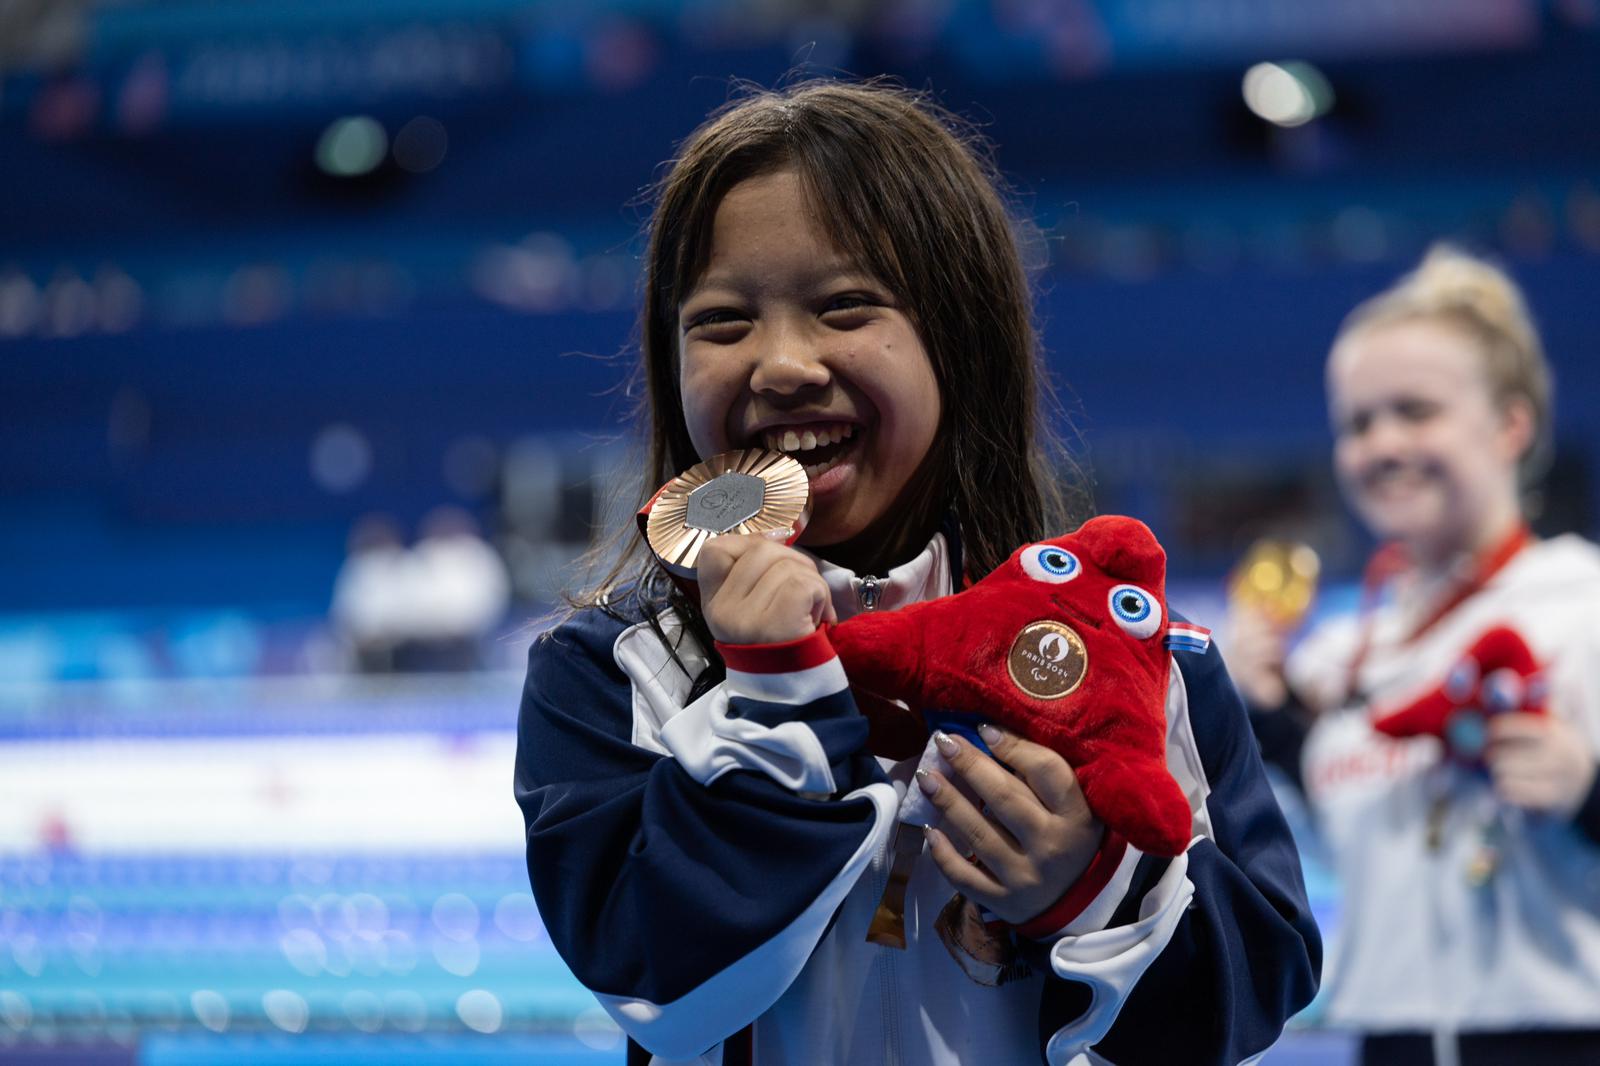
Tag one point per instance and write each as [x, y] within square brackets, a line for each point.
[704, 864]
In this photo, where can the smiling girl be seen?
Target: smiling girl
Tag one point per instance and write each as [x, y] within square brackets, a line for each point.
[1472, 893]
[832, 275]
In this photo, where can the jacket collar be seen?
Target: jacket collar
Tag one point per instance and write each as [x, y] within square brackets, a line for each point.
[924, 577]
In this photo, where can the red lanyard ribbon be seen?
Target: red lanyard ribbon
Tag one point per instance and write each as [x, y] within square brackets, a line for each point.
[1389, 561]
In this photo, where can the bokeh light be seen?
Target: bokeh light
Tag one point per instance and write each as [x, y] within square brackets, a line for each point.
[341, 458]
[352, 146]
[1287, 94]
[420, 145]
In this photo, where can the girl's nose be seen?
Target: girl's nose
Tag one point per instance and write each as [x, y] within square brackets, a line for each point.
[788, 363]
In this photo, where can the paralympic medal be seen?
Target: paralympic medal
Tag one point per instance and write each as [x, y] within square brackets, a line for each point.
[752, 490]
[1278, 578]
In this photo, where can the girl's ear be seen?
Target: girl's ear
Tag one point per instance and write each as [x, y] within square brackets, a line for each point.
[1517, 428]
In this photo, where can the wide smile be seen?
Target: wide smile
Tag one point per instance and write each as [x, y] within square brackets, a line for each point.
[817, 446]
[1395, 482]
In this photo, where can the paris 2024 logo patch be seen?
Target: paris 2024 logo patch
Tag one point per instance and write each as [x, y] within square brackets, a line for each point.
[1048, 660]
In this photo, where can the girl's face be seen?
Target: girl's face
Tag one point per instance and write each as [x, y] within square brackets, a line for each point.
[785, 343]
[1422, 450]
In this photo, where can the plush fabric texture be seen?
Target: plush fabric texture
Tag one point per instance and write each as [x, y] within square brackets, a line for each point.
[1497, 675]
[1004, 649]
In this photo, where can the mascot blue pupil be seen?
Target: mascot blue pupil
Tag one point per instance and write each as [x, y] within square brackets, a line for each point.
[1132, 606]
[1058, 562]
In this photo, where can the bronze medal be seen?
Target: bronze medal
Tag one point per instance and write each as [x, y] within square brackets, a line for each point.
[986, 952]
[1048, 660]
[748, 491]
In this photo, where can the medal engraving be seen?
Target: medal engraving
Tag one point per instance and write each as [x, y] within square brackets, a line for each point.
[1048, 660]
[725, 501]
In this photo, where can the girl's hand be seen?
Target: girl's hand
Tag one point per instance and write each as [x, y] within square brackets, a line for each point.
[1539, 761]
[1255, 648]
[756, 590]
[1037, 837]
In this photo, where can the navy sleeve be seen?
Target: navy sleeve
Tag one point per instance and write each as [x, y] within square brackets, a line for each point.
[687, 908]
[1587, 817]
[1246, 954]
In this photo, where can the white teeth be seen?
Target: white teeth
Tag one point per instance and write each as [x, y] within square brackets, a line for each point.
[804, 440]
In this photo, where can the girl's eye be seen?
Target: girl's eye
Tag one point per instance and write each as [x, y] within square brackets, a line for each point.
[1416, 410]
[845, 303]
[717, 317]
[1357, 424]
[1048, 563]
[1135, 610]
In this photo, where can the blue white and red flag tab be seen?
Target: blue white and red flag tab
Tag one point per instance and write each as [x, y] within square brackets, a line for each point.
[1183, 636]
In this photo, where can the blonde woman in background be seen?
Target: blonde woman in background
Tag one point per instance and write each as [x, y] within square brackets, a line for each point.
[1471, 929]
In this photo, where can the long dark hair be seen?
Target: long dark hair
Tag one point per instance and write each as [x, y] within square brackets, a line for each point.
[910, 192]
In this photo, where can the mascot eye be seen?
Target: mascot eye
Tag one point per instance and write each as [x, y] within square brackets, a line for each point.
[1502, 691]
[1135, 610]
[1046, 562]
[1461, 681]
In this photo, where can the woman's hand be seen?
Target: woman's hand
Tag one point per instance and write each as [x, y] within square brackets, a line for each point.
[1037, 837]
[756, 590]
[1539, 761]
[1255, 647]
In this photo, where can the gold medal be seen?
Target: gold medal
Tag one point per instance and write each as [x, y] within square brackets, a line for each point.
[748, 491]
[1277, 578]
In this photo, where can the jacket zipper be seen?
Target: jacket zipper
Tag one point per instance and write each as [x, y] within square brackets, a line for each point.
[869, 591]
[888, 999]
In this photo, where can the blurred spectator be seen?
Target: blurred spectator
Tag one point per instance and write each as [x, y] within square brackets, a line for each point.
[1467, 840]
[426, 608]
[370, 593]
[457, 592]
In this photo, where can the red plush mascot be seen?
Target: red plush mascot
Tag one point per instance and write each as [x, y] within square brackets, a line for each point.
[1498, 674]
[1064, 643]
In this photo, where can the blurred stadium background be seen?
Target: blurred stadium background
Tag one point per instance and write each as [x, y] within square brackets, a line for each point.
[306, 294]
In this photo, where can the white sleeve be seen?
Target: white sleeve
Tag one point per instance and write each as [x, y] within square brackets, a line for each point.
[1111, 961]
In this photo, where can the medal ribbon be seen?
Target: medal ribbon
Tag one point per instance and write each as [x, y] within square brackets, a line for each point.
[1391, 560]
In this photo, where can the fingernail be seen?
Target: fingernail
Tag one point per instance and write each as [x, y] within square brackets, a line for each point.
[780, 535]
[991, 736]
[930, 834]
[946, 744]
[927, 782]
